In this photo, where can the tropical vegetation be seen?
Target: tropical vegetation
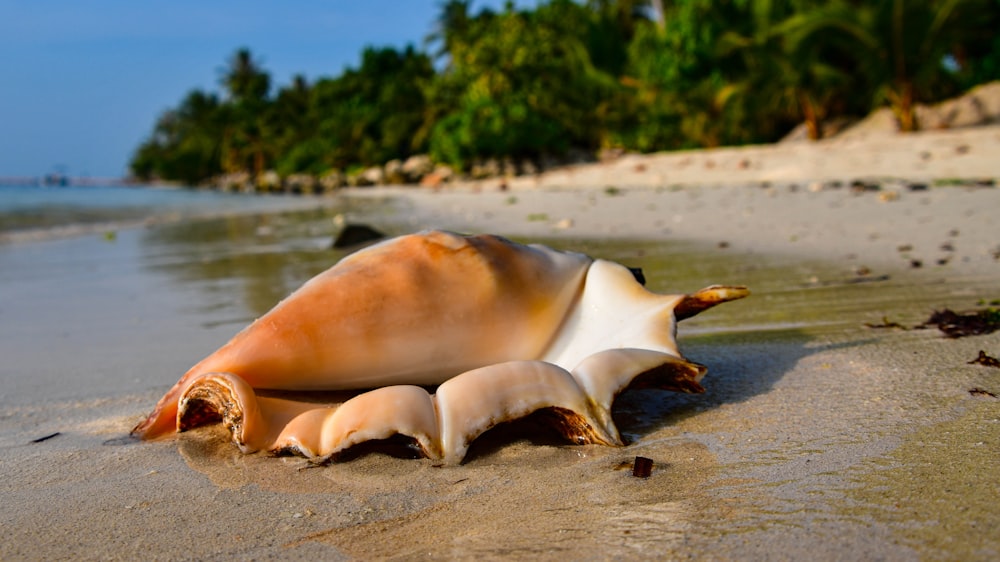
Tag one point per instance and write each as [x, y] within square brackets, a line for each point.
[530, 85]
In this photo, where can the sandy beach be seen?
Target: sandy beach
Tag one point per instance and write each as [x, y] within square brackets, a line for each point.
[820, 436]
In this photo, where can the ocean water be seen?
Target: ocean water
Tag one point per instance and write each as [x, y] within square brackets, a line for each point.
[32, 212]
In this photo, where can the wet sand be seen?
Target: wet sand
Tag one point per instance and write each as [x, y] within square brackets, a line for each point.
[817, 437]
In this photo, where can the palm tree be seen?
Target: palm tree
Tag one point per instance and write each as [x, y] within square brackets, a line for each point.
[185, 142]
[248, 86]
[899, 47]
[452, 26]
[913, 39]
[787, 68]
[244, 79]
[626, 14]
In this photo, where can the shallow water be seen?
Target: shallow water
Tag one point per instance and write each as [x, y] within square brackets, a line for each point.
[265, 257]
[35, 212]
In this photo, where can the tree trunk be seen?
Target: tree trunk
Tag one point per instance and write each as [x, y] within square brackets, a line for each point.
[901, 100]
[901, 93]
[258, 159]
[814, 126]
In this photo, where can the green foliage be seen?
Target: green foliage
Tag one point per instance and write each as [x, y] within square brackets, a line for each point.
[895, 50]
[520, 84]
[978, 59]
[375, 113]
[308, 156]
[565, 75]
[186, 142]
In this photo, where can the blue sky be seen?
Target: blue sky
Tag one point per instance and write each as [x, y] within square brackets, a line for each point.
[82, 82]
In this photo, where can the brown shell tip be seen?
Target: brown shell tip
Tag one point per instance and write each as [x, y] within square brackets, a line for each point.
[708, 297]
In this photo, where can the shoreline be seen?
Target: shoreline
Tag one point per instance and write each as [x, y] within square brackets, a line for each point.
[134, 219]
[894, 169]
[942, 226]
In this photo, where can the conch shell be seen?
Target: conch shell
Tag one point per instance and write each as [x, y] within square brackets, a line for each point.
[504, 329]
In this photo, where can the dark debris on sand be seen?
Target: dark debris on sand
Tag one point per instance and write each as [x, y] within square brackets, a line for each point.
[957, 325]
[985, 360]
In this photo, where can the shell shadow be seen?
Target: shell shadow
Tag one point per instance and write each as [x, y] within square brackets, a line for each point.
[740, 366]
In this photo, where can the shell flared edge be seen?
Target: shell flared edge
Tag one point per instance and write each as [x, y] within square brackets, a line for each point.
[443, 425]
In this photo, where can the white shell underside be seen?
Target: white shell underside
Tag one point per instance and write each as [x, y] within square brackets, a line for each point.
[612, 332]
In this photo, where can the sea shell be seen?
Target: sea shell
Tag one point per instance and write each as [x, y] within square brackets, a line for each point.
[504, 329]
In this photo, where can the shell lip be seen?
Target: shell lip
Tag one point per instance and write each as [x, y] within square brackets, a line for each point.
[214, 398]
